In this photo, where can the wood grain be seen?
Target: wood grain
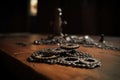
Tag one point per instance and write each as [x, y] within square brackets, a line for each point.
[18, 55]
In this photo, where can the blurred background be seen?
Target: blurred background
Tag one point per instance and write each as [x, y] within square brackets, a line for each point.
[92, 17]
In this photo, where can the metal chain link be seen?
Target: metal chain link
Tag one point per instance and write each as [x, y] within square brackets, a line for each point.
[86, 41]
[65, 56]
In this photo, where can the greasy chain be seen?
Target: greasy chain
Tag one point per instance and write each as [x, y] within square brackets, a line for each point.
[86, 41]
[66, 54]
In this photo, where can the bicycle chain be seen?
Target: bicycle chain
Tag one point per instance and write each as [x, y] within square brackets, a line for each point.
[87, 41]
[64, 56]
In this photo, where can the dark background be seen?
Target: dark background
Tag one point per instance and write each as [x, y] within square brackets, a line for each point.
[83, 16]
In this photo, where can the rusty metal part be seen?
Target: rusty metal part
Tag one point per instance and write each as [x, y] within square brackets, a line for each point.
[69, 57]
[69, 46]
[86, 41]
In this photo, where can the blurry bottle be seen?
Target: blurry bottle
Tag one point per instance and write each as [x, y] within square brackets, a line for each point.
[58, 23]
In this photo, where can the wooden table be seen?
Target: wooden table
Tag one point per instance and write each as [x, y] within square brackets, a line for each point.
[14, 58]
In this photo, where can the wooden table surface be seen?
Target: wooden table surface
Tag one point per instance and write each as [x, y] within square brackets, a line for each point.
[15, 57]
